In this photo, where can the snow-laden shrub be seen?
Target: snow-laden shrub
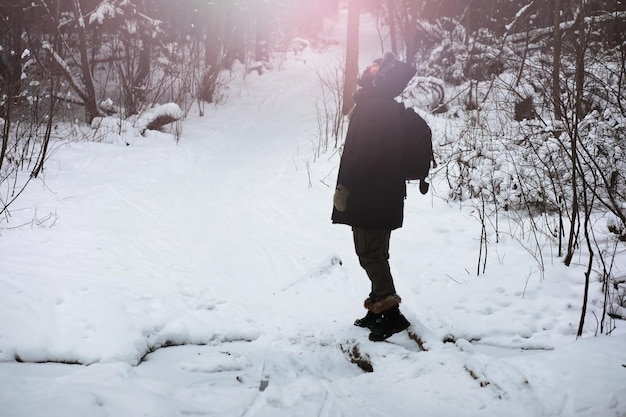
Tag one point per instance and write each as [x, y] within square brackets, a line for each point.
[426, 92]
[447, 57]
[514, 165]
[454, 56]
[604, 153]
[528, 163]
[485, 57]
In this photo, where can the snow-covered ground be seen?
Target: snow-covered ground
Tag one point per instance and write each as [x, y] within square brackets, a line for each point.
[204, 277]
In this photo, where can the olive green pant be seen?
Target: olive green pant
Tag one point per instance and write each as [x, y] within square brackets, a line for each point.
[372, 248]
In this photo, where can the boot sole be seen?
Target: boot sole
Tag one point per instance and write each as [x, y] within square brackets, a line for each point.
[380, 337]
[365, 326]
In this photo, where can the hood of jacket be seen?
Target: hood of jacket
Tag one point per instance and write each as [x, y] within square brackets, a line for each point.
[392, 76]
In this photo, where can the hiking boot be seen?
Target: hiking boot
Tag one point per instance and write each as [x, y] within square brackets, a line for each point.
[369, 321]
[391, 322]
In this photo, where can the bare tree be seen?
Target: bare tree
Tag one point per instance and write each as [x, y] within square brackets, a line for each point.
[12, 14]
[556, 61]
[352, 56]
[83, 84]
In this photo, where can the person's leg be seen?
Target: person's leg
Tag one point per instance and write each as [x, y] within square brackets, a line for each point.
[372, 248]
[383, 317]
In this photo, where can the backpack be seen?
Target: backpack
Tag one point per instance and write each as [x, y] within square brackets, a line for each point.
[417, 148]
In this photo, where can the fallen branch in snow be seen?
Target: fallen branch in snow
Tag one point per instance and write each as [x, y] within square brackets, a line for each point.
[159, 116]
[354, 354]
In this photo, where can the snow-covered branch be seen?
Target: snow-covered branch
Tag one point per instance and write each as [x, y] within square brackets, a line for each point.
[75, 83]
[537, 33]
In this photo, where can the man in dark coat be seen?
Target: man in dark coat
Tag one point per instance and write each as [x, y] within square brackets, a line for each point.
[371, 188]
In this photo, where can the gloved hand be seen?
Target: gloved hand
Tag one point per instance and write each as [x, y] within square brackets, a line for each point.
[340, 199]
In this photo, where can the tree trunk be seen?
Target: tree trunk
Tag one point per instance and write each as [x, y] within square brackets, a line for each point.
[580, 79]
[46, 140]
[137, 78]
[391, 6]
[556, 62]
[352, 56]
[11, 71]
[409, 30]
[262, 51]
[6, 129]
[236, 36]
[91, 105]
[214, 50]
[16, 22]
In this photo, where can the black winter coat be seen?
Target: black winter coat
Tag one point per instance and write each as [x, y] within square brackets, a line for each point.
[371, 164]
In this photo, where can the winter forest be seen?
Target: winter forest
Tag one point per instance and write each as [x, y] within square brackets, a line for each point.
[155, 155]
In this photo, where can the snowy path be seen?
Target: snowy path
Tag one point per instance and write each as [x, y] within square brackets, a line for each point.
[218, 248]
